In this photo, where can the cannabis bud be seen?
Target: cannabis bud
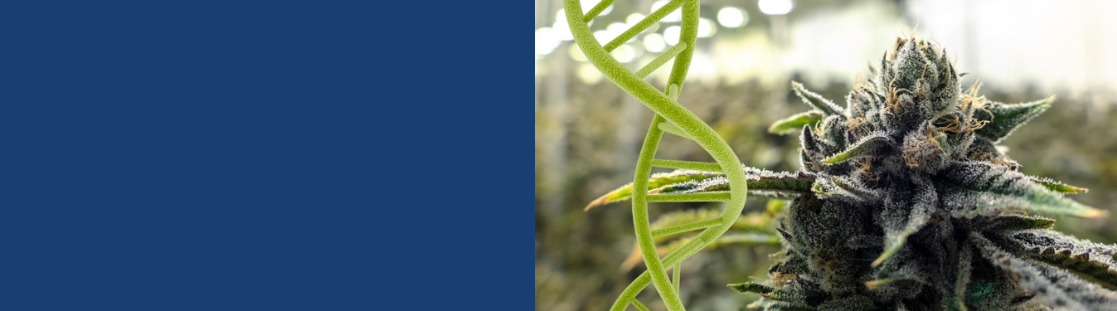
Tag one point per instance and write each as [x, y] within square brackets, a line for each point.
[905, 202]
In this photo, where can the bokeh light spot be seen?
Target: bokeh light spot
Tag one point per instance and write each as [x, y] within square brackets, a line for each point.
[654, 43]
[775, 7]
[671, 35]
[732, 17]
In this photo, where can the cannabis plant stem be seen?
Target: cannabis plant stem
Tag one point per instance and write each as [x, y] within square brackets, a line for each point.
[667, 109]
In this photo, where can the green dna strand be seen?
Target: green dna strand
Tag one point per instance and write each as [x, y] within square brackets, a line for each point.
[673, 118]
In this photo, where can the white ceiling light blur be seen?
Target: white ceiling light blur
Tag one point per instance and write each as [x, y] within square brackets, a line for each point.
[588, 5]
[706, 28]
[653, 42]
[545, 41]
[732, 17]
[671, 35]
[775, 7]
[561, 29]
[618, 28]
[675, 16]
[603, 36]
[634, 18]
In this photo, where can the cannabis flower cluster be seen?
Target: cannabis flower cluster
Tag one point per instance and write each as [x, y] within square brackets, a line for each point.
[905, 201]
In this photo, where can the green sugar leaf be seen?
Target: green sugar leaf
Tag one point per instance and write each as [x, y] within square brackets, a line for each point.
[976, 187]
[794, 123]
[1005, 118]
[811, 98]
[866, 147]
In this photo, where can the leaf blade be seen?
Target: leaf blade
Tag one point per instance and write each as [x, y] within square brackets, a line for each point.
[793, 123]
[1006, 118]
[811, 98]
[1067, 252]
[983, 188]
[867, 146]
[655, 181]
[1056, 286]
[1057, 186]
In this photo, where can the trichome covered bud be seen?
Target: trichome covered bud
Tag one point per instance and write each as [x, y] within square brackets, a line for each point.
[905, 202]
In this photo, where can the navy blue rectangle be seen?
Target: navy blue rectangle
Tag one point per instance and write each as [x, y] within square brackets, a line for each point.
[261, 156]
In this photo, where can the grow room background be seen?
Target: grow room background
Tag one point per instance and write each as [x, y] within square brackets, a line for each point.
[588, 131]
